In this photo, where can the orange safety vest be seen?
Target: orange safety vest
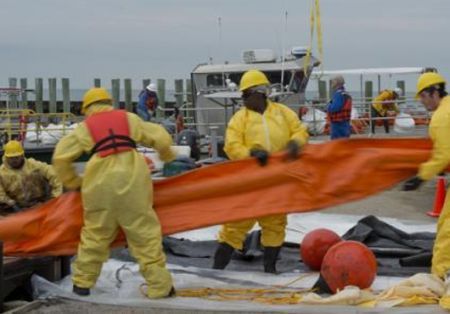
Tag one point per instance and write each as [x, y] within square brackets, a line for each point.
[110, 132]
[345, 114]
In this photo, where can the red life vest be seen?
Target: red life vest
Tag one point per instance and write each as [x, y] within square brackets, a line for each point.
[345, 114]
[110, 132]
[151, 103]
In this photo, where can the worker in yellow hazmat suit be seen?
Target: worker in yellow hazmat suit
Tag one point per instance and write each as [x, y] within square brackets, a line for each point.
[25, 182]
[116, 191]
[261, 127]
[432, 94]
[383, 104]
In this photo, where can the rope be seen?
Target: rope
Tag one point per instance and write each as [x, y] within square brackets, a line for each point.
[279, 294]
[282, 296]
[117, 274]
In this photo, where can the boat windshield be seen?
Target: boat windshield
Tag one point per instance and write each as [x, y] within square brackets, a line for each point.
[216, 80]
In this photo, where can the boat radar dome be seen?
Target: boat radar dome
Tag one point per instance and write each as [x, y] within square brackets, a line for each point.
[299, 52]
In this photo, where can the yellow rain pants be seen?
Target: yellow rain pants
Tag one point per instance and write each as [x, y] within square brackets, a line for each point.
[116, 194]
[270, 131]
[439, 131]
[28, 185]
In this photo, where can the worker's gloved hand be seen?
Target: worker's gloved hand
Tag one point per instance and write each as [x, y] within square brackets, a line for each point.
[412, 184]
[293, 150]
[261, 155]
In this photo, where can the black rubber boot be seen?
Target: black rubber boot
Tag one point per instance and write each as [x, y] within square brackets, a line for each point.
[84, 292]
[321, 286]
[270, 258]
[172, 293]
[222, 256]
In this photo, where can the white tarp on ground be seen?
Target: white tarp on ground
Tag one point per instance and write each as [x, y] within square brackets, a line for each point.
[109, 291]
[123, 289]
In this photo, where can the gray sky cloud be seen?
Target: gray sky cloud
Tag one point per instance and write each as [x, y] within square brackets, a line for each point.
[167, 38]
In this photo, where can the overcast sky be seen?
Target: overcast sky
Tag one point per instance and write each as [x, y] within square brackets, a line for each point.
[83, 39]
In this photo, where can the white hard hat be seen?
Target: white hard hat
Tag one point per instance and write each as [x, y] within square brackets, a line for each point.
[151, 87]
[398, 91]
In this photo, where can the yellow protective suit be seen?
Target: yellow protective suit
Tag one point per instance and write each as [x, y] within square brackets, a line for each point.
[116, 194]
[439, 131]
[271, 131]
[34, 182]
[382, 109]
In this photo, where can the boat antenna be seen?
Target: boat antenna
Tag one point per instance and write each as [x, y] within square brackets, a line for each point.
[219, 22]
[283, 44]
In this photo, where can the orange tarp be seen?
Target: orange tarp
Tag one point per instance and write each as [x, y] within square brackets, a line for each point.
[327, 174]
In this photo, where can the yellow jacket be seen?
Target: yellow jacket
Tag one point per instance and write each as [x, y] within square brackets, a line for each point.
[98, 169]
[28, 185]
[439, 131]
[382, 109]
[271, 131]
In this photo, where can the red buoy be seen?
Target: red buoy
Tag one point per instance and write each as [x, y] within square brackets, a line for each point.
[349, 263]
[315, 245]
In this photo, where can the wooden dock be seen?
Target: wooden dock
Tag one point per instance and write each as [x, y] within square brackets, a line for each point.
[16, 272]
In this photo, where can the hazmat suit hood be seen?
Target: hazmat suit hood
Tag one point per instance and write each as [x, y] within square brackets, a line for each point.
[8, 166]
[98, 107]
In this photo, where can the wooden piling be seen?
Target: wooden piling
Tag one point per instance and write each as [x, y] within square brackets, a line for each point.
[39, 95]
[24, 98]
[66, 94]
[188, 91]
[116, 93]
[13, 96]
[52, 95]
[145, 83]
[368, 91]
[322, 85]
[189, 100]
[330, 90]
[368, 96]
[183, 94]
[402, 86]
[179, 96]
[128, 95]
[161, 86]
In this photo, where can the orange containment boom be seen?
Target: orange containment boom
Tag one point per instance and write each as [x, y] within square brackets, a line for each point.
[327, 174]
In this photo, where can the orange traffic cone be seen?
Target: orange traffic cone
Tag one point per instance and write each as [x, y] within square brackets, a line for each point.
[439, 197]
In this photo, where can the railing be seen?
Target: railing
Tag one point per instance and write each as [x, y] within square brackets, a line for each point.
[15, 123]
[365, 118]
[363, 107]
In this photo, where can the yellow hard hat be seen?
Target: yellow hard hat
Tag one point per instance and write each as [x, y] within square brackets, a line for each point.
[94, 95]
[13, 149]
[253, 78]
[428, 79]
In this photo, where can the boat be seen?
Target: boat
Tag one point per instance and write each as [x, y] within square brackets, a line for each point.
[215, 86]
